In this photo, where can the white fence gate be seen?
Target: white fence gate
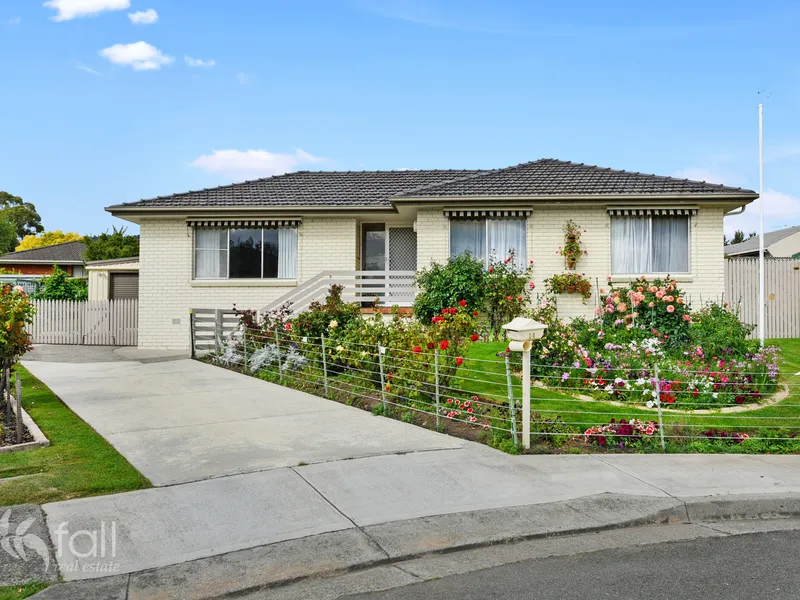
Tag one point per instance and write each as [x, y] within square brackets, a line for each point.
[782, 294]
[92, 323]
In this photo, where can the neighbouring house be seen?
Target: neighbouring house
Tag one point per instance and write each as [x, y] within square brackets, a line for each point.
[114, 279]
[286, 238]
[784, 243]
[29, 266]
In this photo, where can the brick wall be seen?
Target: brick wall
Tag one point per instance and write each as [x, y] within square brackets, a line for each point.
[545, 235]
[167, 293]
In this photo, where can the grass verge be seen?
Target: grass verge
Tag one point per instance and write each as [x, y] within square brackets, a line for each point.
[78, 463]
[16, 592]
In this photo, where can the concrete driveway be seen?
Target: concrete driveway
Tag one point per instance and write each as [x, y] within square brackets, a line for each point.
[182, 420]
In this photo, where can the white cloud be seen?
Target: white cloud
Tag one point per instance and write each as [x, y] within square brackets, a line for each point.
[15, 20]
[196, 62]
[780, 210]
[143, 17]
[140, 56]
[82, 67]
[71, 9]
[254, 163]
[243, 78]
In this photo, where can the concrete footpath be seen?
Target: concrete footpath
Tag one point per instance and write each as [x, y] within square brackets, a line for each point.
[243, 532]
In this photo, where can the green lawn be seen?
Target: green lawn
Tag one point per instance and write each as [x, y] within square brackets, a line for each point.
[549, 403]
[78, 463]
[17, 592]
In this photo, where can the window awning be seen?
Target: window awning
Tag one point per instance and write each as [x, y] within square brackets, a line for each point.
[243, 222]
[644, 212]
[487, 213]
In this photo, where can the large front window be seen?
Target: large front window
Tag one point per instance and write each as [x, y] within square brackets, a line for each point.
[483, 238]
[650, 244]
[252, 253]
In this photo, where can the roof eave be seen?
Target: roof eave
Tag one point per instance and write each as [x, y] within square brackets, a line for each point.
[746, 197]
[39, 262]
[124, 209]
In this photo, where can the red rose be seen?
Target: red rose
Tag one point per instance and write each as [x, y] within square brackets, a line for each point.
[474, 313]
[509, 298]
[475, 337]
[417, 349]
[431, 345]
[519, 298]
[462, 302]
[444, 345]
[459, 361]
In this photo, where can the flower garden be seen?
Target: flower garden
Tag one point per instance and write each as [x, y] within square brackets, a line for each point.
[647, 373]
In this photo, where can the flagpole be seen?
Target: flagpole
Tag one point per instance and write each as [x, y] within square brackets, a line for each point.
[761, 283]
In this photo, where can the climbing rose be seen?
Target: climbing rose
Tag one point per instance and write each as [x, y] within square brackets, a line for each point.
[444, 345]
[509, 298]
[474, 337]
[670, 308]
[431, 345]
[459, 361]
[417, 349]
[462, 303]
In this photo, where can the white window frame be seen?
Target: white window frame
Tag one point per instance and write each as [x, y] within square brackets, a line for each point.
[487, 251]
[650, 225]
[228, 258]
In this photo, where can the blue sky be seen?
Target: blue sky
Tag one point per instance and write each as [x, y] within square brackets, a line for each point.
[108, 101]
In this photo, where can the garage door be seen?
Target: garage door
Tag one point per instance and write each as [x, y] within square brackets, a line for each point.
[124, 285]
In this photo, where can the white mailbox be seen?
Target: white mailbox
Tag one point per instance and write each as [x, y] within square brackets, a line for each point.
[520, 333]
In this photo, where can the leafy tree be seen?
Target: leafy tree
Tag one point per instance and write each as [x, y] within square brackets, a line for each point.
[22, 215]
[60, 286]
[8, 237]
[48, 238]
[108, 246]
[739, 236]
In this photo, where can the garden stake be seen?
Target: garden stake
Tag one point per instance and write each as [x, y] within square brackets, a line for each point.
[7, 390]
[512, 406]
[436, 371]
[381, 350]
[658, 403]
[324, 365]
[280, 366]
[19, 408]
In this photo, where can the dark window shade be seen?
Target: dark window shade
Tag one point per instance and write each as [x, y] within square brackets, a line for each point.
[123, 286]
[245, 257]
[270, 253]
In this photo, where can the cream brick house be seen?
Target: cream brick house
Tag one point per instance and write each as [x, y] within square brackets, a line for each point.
[286, 238]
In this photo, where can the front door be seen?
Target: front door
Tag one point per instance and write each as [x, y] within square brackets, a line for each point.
[390, 249]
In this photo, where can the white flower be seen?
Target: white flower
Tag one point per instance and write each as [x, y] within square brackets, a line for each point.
[640, 381]
[333, 324]
[363, 353]
[340, 348]
[609, 388]
[650, 404]
[715, 395]
[619, 380]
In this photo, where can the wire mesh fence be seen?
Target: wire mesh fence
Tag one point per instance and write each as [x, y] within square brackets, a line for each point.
[573, 407]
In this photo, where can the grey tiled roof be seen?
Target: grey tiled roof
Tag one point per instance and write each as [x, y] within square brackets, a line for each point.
[343, 189]
[550, 177]
[69, 252]
[308, 188]
[751, 245]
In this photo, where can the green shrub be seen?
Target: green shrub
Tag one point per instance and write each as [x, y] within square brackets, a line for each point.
[506, 291]
[60, 286]
[324, 318]
[718, 331]
[441, 286]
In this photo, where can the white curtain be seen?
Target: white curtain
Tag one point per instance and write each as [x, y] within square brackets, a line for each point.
[287, 253]
[631, 245]
[505, 235]
[670, 244]
[210, 253]
[468, 235]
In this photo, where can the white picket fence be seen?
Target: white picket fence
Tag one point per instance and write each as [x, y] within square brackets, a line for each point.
[92, 323]
[782, 294]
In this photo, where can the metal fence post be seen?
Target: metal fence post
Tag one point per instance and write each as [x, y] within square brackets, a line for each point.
[381, 350]
[19, 407]
[244, 344]
[658, 403]
[324, 365]
[512, 405]
[191, 332]
[436, 379]
[218, 317]
[280, 362]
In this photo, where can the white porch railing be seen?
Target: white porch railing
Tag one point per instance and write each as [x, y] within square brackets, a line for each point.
[387, 288]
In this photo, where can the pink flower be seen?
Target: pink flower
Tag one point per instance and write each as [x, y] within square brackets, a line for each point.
[608, 278]
[670, 308]
[491, 269]
[651, 304]
[687, 318]
[531, 285]
[622, 307]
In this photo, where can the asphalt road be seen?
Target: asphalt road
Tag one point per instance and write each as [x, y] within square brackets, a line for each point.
[761, 565]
